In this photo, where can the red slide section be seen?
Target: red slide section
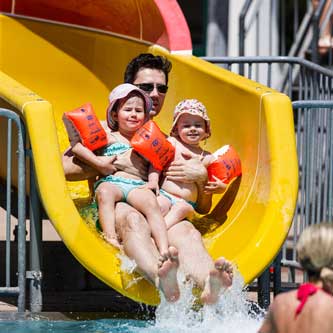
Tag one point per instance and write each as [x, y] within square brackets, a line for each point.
[156, 21]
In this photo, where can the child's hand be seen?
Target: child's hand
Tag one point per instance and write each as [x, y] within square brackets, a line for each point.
[215, 187]
[152, 186]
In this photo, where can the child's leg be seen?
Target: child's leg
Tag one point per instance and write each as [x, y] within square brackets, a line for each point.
[164, 203]
[178, 212]
[107, 195]
[144, 200]
[174, 213]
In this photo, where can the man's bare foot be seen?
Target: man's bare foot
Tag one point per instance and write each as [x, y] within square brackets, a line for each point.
[219, 277]
[167, 274]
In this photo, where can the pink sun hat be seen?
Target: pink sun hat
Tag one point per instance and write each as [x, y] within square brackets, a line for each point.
[122, 91]
[190, 106]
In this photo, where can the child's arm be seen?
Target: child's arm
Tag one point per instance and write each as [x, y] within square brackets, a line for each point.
[103, 164]
[207, 189]
[216, 187]
[153, 179]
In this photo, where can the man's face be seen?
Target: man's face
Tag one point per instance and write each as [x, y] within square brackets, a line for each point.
[153, 82]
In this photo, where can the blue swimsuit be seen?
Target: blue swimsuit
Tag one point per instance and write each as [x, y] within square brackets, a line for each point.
[126, 185]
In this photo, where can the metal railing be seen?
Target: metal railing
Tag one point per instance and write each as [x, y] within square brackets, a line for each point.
[310, 87]
[315, 154]
[254, 12]
[8, 289]
[306, 26]
[300, 79]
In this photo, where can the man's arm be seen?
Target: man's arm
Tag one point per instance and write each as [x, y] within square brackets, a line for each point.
[204, 200]
[76, 169]
[103, 164]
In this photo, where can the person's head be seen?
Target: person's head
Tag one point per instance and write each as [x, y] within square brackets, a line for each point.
[151, 74]
[315, 253]
[190, 122]
[128, 108]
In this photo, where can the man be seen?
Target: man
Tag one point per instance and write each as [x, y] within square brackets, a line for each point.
[150, 73]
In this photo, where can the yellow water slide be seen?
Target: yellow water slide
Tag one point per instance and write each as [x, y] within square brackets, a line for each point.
[48, 68]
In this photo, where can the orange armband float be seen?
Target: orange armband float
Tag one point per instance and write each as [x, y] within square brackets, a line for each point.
[83, 126]
[226, 166]
[152, 144]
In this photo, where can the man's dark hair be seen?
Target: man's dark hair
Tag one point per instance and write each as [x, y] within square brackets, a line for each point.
[147, 60]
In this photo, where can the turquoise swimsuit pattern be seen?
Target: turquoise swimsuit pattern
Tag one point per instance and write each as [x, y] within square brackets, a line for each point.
[126, 185]
[116, 148]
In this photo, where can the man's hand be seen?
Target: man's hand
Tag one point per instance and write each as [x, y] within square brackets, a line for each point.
[106, 166]
[190, 170]
[137, 167]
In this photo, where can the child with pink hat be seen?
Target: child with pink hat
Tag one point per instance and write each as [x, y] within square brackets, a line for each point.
[128, 110]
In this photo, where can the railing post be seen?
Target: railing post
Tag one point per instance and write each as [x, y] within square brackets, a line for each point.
[264, 289]
[20, 289]
[35, 273]
[277, 274]
[242, 33]
[21, 216]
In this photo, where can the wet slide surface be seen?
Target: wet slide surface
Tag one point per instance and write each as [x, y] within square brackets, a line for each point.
[48, 69]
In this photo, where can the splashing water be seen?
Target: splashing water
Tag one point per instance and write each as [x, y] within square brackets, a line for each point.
[232, 313]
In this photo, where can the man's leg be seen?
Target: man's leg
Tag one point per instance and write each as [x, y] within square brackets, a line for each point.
[196, 262]
[135, 235]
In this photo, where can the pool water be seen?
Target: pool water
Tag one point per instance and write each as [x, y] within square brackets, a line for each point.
[231, 314]
[88, 326]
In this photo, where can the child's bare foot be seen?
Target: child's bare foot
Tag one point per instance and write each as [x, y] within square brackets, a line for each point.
[219, 277]
[114, 242]
[167, 274]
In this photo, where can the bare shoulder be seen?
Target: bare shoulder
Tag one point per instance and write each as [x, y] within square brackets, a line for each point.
[286, 297]
[110, 138]
[324, 300]
[105, 125]
[279, 313]
[207, 157]
[285, 303]
[172, 140]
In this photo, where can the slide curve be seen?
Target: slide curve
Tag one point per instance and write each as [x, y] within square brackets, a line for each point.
[47, 69]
